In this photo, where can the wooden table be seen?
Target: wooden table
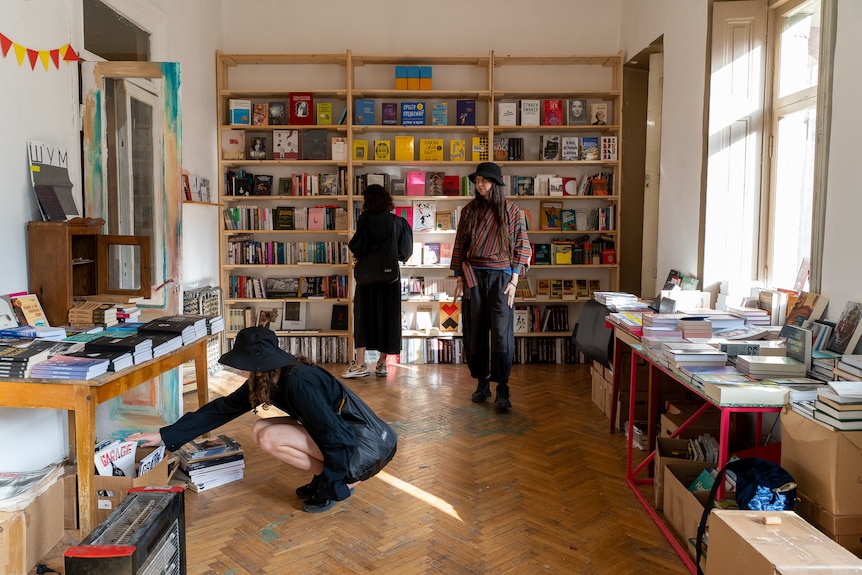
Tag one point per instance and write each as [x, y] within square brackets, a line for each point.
[80, 398]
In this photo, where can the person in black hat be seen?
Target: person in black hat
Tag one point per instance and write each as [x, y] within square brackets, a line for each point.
[314, 438]
[491, 251]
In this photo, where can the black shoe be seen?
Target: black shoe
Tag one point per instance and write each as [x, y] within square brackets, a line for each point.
[315, 505]
[308, 490]
[502, 402]
[483, 392]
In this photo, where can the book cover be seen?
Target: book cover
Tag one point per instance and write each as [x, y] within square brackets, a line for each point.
[608, 148]
[599, 114]
[28, 310]
[339, 320]
[430, 253]
[404, 148]
[542, 253]
[570, 149]
[430, 149]
[444, 222]
[240, 112]
[550, 146]
[466, 112]
[415, 183]
[405, 212]
[301, 108]
[257, 147]
[507, 114]
[233, 144]
[550, 215]
[293, 315]
[570, 186]
[446, 253]
[285, 144]
[451, 185]
[262, 185]
[314, 145]
[260, 115]
[480, 149]
[555, 186]
[848, 330]
[412, 113]
[552, 112]
[531, 112]
[203, 448]
[524, 186]
[389, 112]
[567, 220]
[324, 113]
[382, 150]
[457, 150]
[277, 114]
[339, 149]
[440, 114]
[424, 215]
[589, 148]
[501, 149]
[364, 112]
[576, 112]
[450, 316]
[434, 183]
[117, 459]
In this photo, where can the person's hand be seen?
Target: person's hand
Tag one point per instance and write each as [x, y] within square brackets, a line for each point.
[510, 293]
[150, 439]
[459, 289]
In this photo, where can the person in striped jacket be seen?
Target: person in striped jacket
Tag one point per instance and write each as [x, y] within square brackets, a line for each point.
[491, 251]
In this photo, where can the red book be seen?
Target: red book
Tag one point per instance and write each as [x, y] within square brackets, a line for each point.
[552, 113]
[301, 108]
[451, 185]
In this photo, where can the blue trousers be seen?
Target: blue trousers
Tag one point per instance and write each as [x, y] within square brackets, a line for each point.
[488, 326]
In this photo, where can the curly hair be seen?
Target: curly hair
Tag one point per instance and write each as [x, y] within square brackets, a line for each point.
[496, 202]
[377, 199]
[262, 385]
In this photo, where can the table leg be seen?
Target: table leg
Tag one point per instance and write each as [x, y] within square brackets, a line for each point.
[617, 377]
[202, 372]
[723, 439]
[84, 413]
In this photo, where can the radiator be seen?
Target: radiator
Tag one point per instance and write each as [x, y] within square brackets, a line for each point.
[144, 535]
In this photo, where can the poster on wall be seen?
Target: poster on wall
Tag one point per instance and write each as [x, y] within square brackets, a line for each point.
[49, 175]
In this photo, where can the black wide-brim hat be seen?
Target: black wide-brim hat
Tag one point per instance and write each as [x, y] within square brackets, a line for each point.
[256, 349]
[489, 171]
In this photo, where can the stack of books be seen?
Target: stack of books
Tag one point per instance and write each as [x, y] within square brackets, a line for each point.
[695, 327]
[140, 347]
[848, 368]
[840, 406]
[769, 366]
[725, 391]
[164, 343]
[70, 367]
[678, 354]
[93, 313]
[33, 332]
[215, 324]
[209, 463]
[117, 359]
[190, 327]
[751, 315]
[19, 359]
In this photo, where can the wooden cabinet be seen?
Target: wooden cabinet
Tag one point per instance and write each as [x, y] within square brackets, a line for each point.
[74, 258]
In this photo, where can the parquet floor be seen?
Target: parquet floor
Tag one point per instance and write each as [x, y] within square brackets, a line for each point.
[537, 490]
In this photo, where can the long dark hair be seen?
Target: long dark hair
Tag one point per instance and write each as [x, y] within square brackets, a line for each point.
[262, 385]
[496, 202]
[377, 199]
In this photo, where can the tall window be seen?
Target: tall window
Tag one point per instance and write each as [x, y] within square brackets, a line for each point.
[792, 141]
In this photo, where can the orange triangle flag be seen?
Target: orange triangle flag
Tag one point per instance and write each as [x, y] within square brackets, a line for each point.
[32, 55]
[5, 44]
[55, 57]
[70, 55]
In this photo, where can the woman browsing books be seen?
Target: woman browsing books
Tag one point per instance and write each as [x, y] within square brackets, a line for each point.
[314, 438]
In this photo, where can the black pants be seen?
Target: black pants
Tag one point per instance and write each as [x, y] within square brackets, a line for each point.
[489, 331]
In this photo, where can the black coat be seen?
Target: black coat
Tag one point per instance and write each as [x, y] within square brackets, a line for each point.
[308, 393]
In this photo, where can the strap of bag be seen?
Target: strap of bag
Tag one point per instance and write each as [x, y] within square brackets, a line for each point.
[707, 508]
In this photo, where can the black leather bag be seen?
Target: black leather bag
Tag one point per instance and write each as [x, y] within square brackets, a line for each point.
[378, 267]
[376, 442]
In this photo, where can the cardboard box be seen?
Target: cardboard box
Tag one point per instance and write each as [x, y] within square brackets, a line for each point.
[28, 535]
[597, 390]
[826, 464]
[708, 422]
[846, 530]
[682, 508]
[740, 542]
[111, 491]
[666, 450]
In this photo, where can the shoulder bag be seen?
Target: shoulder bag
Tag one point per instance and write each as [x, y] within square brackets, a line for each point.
[376, 442]
[379, 266]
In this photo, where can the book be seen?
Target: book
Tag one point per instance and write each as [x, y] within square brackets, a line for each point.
[415, 185]
[430, 149]
[257, 147]
[550, 218]
[570, 150]
[404, 148]
[360, 149]
[339, 149]
[324, 113]
[28, 310]
[839, 424]
[301, 108]
[364, 112]
[457, 150]
[480, 149]
[382, 150]
[501, 149]
[285, 144]
[434, 183]
[552, 112]
[277, 114]
[745, 393]
[507, 113]
[450, 316]
[599, 114]
[239, 112]
[465, 112]
[576, 112]
[389, 113]
[808, 306]
[70, 367]
[769, 365]
[424, 215]
[440, 114]
[798, 342]
[260, 114]
[608, 150]
[412, 113]
[848, 330]
[116, 459]
[339, 319]
[590, 148]
[531, 112]
[232, 144]
[293, 314]
[314, 144]
[203, 448]
[840, 414]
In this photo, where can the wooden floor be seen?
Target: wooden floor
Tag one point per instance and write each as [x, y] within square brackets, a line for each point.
[537, 490]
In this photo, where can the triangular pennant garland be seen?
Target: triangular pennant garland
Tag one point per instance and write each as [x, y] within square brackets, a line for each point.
[66, 53]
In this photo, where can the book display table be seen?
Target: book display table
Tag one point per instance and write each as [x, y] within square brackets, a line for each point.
[623, 338]
[80, 398]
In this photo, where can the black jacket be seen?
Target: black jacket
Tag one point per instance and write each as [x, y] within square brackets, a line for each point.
[308, 393]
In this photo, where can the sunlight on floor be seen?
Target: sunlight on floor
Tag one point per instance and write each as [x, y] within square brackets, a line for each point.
[432, 500]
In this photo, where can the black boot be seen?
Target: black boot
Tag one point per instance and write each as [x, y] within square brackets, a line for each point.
[502, 402]
[483, 391]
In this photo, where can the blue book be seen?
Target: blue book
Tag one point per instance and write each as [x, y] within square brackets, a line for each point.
[412, 113]
[466, 112]
[364, 113]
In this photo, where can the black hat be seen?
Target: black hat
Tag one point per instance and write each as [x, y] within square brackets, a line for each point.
[489, 171]
[256, 349]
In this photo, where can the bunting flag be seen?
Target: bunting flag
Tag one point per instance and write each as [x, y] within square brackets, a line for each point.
[47, 57]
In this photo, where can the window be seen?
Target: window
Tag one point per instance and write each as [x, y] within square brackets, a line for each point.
[796, 37]
[111, 36]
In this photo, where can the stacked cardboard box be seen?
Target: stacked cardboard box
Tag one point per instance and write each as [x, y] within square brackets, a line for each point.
[26, 536]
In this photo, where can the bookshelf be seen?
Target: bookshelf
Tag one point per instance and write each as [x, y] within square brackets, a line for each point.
[365, 89]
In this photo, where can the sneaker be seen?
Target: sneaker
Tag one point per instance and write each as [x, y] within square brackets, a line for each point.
[483, 392]
[308, 490]
[315, 505]
[381, 370]
[355, 371]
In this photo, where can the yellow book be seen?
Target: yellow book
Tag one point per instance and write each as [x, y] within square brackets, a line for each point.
[404, 148]
[324, 114]
[360, 149]
[480, 149]
[457, 150]
[431, 149]
[382, 150]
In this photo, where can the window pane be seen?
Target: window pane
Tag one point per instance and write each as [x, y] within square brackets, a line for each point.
[800, 49]
[111, 36]
[793, 195]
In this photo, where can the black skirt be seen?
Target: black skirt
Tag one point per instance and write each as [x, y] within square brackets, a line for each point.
[377, 318]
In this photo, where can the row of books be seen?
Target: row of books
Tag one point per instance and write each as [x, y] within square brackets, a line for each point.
[118, 458]
[552, 112]
[837, 405]
[597, 251]
[311, 144]
[532, 318]
[298, 109]
[245, 250]
[413, 113]
[253, 218]
[241, 182]
[321, 287]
